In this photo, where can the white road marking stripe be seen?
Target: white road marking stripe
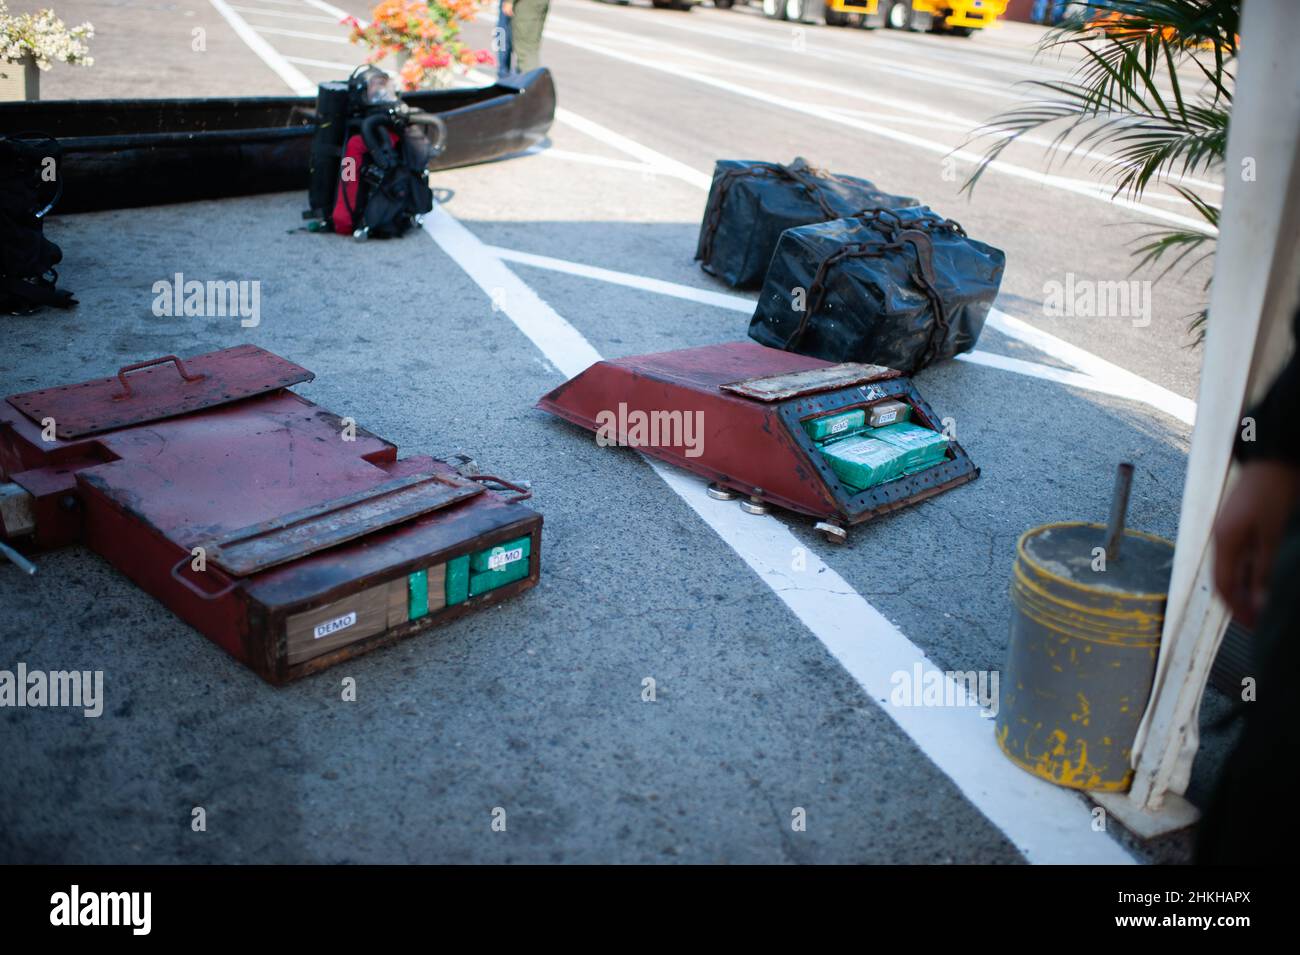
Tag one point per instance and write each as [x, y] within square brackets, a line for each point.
[561, 343]
[309, 17]
[1034, 369]
[630, 165]
[323, 64]
[268, 54]
[302, 35]
[923, 122]
[644, 153]
[855, 42]
[331, 9]
[1108, 379]
[1045, 823]
[914, 72]
[1090, 190]
[878, 98]
[911, 45]
[1134, 386]
[733, 303]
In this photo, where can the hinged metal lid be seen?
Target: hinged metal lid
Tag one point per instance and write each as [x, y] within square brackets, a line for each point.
[158, 390]
[793, 384]
[335, 522]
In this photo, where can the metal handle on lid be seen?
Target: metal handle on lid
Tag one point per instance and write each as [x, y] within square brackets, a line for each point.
[180, 367]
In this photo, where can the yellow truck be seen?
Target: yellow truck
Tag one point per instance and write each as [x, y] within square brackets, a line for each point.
[961, 17]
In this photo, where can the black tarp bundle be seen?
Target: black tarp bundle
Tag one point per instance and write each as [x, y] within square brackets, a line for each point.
[752, 203]
[902, 288]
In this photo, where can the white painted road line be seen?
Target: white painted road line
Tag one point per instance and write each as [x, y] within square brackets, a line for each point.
[1104, 378]
[1089, 190]
[860, 51]
[292, 76]
[1045, 823]
[1109, 375]
[302, 35]
[322, 64]
[878, 98]
[630, 146]
[284, 14]
[735, 303]
[630, 165]
[1131, 385]
[332, 10]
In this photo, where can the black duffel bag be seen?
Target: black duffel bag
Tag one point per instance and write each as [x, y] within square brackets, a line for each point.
[902, 288]
[752, 203]
[30, 185]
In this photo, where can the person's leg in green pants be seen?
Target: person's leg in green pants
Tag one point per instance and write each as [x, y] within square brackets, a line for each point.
[529, 18]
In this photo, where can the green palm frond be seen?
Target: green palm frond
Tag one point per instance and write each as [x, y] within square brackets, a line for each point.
[1128, 106]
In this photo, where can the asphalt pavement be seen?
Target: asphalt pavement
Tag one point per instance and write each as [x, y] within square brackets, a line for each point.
[764, 705]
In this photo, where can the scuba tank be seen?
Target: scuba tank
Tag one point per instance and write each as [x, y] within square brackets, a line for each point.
[333, 99]
[369, 158]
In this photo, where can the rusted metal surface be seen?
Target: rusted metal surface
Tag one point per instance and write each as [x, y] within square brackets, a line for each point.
[312, 529]
[757, 448]
[298, 512]
[793, 384]
[159, 388]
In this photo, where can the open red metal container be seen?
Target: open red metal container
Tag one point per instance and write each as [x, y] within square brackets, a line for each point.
[287, 535]
[752, 402]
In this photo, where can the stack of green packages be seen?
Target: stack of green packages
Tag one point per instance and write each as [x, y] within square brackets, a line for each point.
[883, 454]
[861, 461]
[921, 448]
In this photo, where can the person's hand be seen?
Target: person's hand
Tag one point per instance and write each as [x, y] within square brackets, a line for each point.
[1248, 531]
[508, 8]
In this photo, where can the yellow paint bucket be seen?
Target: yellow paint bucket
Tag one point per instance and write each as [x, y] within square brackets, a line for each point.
[1085, 631]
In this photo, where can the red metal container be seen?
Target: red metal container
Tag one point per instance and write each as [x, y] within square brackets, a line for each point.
[750, 402]
[285, 534]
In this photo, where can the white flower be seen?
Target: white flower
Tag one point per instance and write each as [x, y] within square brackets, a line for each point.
[43, 37]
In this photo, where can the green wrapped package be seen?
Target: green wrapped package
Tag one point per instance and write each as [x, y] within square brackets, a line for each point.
[492, 579]
[499, 565]
[499, 557]
[920, 447]
[417, 589]
[836, 425]
[862, 462]
[457, 580]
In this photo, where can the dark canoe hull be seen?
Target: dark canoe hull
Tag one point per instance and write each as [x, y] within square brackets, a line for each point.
[123, 153]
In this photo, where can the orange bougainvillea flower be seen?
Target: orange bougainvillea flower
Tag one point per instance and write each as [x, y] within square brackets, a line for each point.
[427, 31]
[411, 73]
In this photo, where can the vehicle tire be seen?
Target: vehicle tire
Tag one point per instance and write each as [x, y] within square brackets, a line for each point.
[774, 9]
[900, 15]
[796, 11]
[961, 31]
[724, 4]
[834, 18]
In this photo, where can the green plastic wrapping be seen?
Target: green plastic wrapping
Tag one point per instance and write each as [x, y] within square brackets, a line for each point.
[921, 448]
[836, 425]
